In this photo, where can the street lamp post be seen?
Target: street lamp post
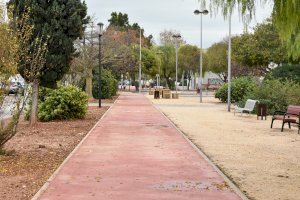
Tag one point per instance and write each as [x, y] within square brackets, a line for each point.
[229, 65]
[203, 12]
[176, 37]
[100, 57]
[140, 63]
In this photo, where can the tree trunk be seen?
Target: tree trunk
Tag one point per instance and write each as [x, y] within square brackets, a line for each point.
[182, 81]
[169, 84]
[89, 86]
[35, 99]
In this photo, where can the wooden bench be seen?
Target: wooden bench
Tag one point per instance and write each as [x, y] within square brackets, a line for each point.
[291, 116]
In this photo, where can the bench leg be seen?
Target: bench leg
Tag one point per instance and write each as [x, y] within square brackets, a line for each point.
[272, 123]
[282, 126]
[290, 125]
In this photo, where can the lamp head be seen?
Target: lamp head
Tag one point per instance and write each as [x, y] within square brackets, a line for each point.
[197, 12]
[176, 36]
[100, 27]
[205, 12]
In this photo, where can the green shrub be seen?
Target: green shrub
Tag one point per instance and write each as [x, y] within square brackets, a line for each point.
[285, 72]
[240, 87]
[109, 85]
[277, 95]
[63, 103]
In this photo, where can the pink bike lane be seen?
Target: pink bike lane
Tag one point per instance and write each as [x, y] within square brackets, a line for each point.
[135, 153]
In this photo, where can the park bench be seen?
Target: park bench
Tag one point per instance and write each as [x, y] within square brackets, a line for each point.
[291, 116]
[249, 107]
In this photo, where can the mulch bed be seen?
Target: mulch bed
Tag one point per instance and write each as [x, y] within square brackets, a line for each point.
[38, 152]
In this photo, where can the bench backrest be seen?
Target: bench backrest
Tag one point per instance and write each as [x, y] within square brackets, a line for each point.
[294, 110]
[250, 104]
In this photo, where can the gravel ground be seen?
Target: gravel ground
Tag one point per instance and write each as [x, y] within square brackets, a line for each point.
[38, 152]
[263, 162]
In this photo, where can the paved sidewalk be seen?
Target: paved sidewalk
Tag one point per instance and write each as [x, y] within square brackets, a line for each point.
[135, 153]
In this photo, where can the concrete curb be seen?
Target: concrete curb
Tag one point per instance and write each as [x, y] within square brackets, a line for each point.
[46, 185]
[202, 154]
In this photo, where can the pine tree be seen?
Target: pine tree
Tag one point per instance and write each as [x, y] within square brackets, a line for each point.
[57, 24]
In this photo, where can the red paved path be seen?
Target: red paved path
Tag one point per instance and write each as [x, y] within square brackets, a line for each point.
[135, 153]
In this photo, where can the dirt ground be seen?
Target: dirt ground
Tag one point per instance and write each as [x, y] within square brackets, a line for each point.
[263, 162]
[107, 101]
[38, 152]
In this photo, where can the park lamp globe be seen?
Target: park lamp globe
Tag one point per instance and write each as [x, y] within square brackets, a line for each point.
[100, 25]
[177, 36]
[198, 12]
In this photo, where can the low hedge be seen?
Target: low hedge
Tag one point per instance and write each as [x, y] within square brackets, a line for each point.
[240, 87]
[109, 85]
[63, 103]
[277, 95]
[285, 72]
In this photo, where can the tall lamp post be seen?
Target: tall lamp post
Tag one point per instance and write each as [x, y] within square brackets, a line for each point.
[176, 37]
[140, 63]
[202, 12]
[100, 57]
[229, 65]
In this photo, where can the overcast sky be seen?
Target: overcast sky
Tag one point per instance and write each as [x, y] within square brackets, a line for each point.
[157, 15]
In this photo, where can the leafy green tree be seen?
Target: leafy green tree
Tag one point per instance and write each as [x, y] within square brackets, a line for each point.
[216, 59]
[287, 19]
[168, 61]
[256, 51]
[149, 62]
[62, 22]
[285, 72]
[9, 58]
[189, 60]
[120, 20]
[285, 14]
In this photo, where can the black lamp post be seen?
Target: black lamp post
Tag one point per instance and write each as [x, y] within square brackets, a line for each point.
[100, 57]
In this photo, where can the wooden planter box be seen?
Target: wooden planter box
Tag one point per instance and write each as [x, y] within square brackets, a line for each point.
[151, 91]
[175, 96]
[166, 94]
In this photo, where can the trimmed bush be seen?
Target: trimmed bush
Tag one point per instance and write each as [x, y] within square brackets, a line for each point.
[63, 103]
[285, 72]
[277, 95]
[109, 85]
[240, 87]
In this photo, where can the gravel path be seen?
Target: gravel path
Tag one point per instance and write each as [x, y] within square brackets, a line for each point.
[264, 162]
